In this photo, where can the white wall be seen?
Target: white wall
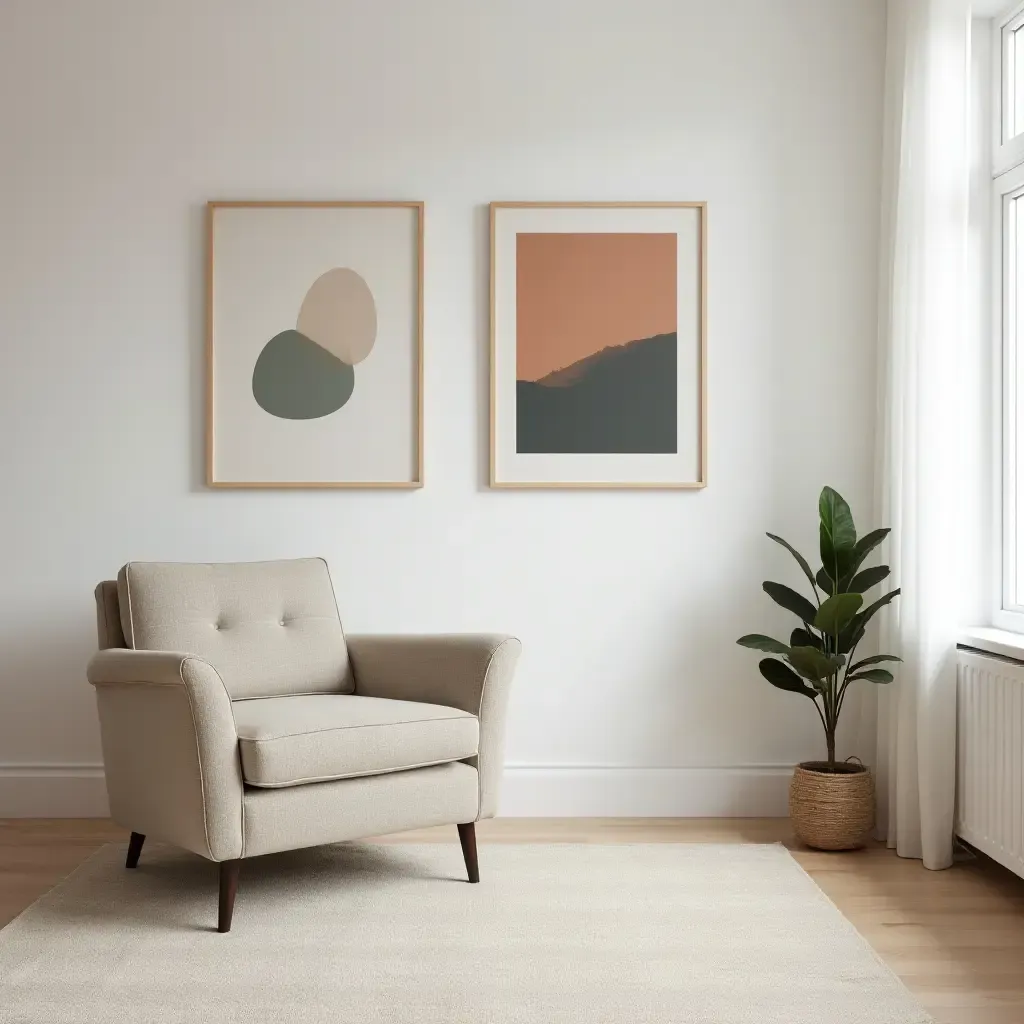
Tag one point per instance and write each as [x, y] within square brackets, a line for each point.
[119, 119]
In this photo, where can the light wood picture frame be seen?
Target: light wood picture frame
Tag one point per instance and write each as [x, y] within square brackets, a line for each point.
[598, 345]
[314, 344]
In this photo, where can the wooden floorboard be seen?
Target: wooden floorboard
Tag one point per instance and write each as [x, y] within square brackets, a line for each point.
[955, 937]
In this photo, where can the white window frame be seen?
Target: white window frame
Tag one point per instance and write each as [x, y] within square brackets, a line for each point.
[1008, 185]
[1007, 148]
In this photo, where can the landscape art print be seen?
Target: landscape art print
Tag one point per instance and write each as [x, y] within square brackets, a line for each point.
[597, 345]
[314, 346]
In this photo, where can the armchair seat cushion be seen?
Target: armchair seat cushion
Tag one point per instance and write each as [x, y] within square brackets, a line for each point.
[293, 740]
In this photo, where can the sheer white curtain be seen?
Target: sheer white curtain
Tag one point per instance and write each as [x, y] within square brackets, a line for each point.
[924, 303]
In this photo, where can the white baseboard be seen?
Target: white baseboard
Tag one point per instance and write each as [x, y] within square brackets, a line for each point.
[612, 791]
[53, 791]
[529, 791]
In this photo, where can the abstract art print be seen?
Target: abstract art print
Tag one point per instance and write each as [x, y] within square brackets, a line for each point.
[598, 345]
[314, 344]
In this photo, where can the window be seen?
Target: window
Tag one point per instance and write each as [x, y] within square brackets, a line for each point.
[1012, 219]
[1009, 134]
[1008, 178]
[1015, 84]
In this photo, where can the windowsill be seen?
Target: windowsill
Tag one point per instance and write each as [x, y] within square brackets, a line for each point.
[994, 641]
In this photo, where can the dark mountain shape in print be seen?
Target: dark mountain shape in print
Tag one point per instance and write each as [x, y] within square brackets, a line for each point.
[622, 400]
[570, 374]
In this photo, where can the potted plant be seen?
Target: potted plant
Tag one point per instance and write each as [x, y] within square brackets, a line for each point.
[831, 803]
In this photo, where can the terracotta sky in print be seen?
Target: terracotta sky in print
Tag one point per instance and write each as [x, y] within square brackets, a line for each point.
[578, 293]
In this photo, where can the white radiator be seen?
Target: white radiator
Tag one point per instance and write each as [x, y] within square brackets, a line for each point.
[990, 756]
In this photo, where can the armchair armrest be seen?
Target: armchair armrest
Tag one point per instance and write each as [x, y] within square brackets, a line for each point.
[170, 750]
[469, 672]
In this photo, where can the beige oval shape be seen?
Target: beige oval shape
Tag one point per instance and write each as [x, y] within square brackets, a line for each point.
[339, 314]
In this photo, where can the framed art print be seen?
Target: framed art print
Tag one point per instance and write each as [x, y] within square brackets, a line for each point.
[598, 345]
[314, 344]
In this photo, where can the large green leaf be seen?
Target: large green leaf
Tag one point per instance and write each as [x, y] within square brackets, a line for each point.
[836, 612]
[865, 546]
[812, 664]
[801, 561]
[784, 677]
[849, 638]
[874, 675]
[867, 578]
[868, 612]
[876, 659]
[854, 632]
[825, 581]
[837, 534]
[760, 642]
[790, 600]
[837, 518]
[802, 638]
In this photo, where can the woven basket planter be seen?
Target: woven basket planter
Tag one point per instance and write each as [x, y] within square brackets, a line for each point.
[832, 810]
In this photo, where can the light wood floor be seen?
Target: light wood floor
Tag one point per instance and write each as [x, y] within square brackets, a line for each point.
[955, 937]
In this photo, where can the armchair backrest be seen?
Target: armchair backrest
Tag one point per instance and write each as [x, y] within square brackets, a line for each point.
[108, 616]
[269, 628]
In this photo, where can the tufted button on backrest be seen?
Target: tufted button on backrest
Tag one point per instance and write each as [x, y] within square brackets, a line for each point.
[269, 628]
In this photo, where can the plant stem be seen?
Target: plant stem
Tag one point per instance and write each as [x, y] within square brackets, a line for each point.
[846, 679]
[820, 715]
[828, 719]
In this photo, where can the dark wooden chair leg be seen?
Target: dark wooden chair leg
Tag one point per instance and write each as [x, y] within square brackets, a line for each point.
[467, 836]
[228, 888]
[134, 849]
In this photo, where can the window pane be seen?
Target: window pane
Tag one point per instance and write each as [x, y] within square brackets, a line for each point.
[1016, 57]
[1015, 423]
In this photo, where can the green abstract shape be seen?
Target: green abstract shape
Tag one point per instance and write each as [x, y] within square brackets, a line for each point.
[295, 379]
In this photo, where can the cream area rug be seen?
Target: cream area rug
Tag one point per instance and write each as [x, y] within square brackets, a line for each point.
[379, 934]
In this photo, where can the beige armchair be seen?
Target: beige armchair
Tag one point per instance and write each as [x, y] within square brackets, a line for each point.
[237, 719]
